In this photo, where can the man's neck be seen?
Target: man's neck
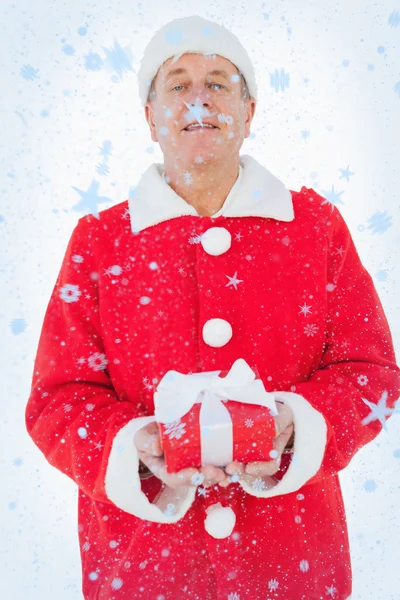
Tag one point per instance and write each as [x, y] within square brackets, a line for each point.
[205, 188]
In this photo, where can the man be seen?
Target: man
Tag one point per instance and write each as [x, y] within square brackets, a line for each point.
[213, 259]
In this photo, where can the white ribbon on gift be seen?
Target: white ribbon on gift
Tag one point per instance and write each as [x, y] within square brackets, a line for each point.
[176, 393]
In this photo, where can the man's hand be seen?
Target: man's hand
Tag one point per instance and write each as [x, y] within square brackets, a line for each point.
[284, 430]
[147, 442]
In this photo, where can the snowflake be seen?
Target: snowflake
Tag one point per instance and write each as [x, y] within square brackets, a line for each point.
[195, 239]
[311, 329]
[234, 281]
[77, 258]
[86, 547]
[332, 197]
[144, 300]
[233, 596]
[113, 270]
[305, 310]
[202, 491]
[249, 422]
[67, 407]
[362, 380]
[175, 429]
[370, 485]
[70, 293]
[170, 510]
[304, 565]
[197, 479]
[273, 584]
[117, 583]
[187, 177]
[379, 411]
[97, 361]
[93, 62]
[90, 406]
[143, 564]
[258, 484]
[330, 591]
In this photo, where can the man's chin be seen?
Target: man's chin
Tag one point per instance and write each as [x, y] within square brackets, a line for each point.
[200, 158]
[185, 155]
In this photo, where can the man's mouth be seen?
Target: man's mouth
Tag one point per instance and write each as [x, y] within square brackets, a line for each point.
[202, 128]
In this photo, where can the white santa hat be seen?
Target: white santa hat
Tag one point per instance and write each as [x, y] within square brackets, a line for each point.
[196, 35]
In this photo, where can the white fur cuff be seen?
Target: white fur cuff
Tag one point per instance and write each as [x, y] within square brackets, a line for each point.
[123, 484]
[310, 436]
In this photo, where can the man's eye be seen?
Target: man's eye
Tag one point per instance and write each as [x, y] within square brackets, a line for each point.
[177, 86]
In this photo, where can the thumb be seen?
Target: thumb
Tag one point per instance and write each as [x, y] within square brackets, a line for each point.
[147, 440]
[284, 417]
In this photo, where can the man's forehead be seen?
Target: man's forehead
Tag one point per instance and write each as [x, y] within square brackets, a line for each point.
[217, 66]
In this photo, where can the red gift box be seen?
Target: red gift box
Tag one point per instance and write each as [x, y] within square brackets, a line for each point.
[253, 429]
[220, 431]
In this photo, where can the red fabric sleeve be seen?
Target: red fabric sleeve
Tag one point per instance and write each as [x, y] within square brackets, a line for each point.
[73, 412]
[358, 363]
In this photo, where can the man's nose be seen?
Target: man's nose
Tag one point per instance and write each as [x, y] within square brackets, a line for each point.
[199, 94]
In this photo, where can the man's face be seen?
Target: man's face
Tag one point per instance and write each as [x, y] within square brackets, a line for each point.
[187, 91]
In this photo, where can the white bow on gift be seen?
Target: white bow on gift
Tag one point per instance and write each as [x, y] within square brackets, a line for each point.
[177, 392]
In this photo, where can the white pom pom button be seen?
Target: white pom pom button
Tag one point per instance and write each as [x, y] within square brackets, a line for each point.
[216, 240]
[217, 332]
[220, 521]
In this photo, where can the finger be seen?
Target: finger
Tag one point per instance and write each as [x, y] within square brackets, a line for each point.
[148, 440]
[262, 469]
[284, 417]
[181, 478]
[190, 476]
[226, 481]
[283, 438]
[212, 472]
[212, 475]
[270, 482]
[154, 463]
[235, 468]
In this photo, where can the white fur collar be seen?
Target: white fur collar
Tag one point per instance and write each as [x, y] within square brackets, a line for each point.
[255, 193]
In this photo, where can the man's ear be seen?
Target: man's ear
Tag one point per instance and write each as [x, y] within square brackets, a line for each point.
[149, 114]
[250, 110]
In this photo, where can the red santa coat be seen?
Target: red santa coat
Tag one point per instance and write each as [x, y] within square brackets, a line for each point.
[136, 296]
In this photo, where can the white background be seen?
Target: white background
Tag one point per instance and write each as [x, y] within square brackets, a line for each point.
[340, 109]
